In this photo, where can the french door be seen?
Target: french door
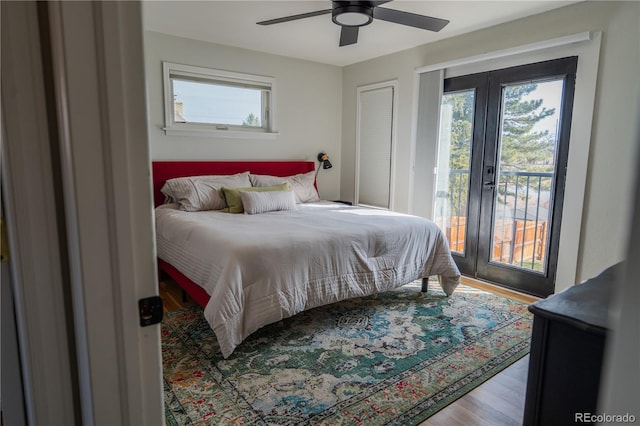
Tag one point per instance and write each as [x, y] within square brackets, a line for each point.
[504, 139]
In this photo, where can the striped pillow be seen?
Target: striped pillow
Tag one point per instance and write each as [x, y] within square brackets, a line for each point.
[234, 202]
[262, 202]
[302, 185]
[197, 193]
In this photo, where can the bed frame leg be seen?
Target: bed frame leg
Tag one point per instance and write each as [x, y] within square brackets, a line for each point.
[425, 285]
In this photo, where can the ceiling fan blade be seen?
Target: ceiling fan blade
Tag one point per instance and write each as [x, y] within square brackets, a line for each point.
[348, 35]
[409, 19]
[379, 2]
[295, 17]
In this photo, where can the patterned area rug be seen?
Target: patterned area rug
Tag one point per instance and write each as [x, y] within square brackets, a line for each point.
[393, 359]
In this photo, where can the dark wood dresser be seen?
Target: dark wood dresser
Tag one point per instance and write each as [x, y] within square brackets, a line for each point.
[567, 347]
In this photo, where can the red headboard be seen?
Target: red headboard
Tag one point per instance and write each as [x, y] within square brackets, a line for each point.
[164, 170]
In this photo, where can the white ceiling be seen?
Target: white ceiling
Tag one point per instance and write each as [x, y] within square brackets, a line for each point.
[233, 23]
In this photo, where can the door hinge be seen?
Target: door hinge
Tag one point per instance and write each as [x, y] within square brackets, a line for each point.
[150, 310]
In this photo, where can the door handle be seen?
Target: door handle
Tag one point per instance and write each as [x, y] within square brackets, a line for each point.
[489, 181]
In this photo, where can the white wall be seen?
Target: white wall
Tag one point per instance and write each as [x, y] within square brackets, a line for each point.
[607, 205]
[621, 370]
[308, 98]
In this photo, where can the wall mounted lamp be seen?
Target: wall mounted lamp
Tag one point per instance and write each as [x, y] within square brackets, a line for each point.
[324, 160]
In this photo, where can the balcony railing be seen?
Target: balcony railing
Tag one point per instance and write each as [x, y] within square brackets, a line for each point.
[520, 216]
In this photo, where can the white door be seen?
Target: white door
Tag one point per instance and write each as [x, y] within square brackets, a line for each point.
[374, 145]
[76, 177]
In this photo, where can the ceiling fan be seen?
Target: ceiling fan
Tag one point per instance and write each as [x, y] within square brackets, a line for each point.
[351, 15]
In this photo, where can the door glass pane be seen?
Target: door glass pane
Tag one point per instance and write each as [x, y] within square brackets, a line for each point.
[523, 203]
[454, 163]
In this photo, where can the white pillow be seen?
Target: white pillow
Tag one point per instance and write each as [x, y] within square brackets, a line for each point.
[302, 185]
[197, 193]
[269, 201]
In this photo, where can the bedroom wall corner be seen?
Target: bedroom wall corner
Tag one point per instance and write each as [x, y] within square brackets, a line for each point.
[308, 106]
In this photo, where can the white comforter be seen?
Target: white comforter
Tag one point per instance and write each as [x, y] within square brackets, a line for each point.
[262, 268]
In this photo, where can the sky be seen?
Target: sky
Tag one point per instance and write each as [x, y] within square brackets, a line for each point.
[551, 92]
[206, 103]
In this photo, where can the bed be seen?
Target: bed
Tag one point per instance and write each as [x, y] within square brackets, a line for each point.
[250, 270]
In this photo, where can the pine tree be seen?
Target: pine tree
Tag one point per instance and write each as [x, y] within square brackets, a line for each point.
[462, 105]
[522, 147]
[251, 120]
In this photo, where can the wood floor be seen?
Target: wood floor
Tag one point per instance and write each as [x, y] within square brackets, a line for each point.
[172, 296]
[498, 401]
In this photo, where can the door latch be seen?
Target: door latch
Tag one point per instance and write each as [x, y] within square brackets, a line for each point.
[489, 179]
[150, 310]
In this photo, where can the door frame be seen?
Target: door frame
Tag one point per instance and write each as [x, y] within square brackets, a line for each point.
[36, 278]
[99, 366]
[487, 87]
[586, 46]
[393, 84]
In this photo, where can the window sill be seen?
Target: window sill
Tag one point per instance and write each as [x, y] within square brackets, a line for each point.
[220, 134]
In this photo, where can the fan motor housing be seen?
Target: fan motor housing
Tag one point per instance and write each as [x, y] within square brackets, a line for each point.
[352, 13]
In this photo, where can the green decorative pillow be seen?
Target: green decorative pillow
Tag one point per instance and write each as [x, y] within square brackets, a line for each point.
[234, 202]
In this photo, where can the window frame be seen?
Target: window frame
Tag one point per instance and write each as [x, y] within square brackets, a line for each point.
[172, 70]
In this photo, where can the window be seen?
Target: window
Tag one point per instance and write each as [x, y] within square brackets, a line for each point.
[207, 102]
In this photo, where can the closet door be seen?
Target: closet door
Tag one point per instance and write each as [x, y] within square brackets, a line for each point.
[374, 145]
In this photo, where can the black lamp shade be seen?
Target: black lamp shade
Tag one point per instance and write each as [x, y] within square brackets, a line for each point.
[324, 159]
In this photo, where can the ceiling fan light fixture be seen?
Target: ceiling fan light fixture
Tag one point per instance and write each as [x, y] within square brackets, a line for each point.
[352, 15]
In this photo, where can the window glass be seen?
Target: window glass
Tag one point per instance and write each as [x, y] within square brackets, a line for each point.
[202, 100]
[208, 102]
